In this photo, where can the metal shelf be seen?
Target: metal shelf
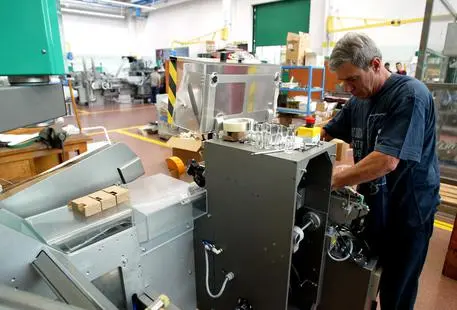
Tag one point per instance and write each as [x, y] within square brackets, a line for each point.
[303, 89]
[291, 111]
[309, 89]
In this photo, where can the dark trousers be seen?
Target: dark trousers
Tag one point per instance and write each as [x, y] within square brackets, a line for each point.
[402, 259]
[154, 92]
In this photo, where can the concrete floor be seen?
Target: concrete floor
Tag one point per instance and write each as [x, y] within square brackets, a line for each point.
[122, 122]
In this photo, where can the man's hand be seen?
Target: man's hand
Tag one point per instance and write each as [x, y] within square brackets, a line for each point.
[374, 166]
[325, 136]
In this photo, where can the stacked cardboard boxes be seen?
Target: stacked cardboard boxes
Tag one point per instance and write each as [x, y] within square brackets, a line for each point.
[298, 45]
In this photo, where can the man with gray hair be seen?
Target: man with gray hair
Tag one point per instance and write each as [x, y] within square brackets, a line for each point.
[390, 122]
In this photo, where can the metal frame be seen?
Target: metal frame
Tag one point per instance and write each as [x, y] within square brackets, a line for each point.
[426, 31]
[68, 283]
[450, 8]
[424, 38]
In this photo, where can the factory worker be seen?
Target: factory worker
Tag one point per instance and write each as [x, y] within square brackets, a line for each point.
[390, 122]
[155, 84]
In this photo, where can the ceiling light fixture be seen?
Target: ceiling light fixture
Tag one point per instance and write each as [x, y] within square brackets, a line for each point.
[92, 13]
[128, 4]
[119, 3]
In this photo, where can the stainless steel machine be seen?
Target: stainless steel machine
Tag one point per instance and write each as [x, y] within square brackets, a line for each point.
[211, 92]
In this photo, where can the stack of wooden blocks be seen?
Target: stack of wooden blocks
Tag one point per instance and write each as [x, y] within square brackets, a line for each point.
[100, 200]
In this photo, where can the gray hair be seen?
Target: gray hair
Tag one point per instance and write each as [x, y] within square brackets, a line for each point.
[355, 48]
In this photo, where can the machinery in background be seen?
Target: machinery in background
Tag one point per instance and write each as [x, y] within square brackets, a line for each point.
[139, 77]
[96, 87]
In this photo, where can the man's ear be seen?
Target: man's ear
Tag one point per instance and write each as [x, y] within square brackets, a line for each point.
[376, 64]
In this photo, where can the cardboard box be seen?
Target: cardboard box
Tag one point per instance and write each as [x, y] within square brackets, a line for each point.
[341, 149]
[312, 59]
[120, 194]
[186, 149]
[86, 205]
[321, 106]
[297, 47]
[284, 119]
[107, 200]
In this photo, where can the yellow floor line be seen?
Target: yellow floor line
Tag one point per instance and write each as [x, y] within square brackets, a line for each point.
[142, 138]
[443, 227]
[444, 224]
[113, 130]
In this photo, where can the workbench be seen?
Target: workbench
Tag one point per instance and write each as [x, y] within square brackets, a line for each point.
[19, 164]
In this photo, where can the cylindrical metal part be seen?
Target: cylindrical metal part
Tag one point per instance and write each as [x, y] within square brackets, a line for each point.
[307, 225]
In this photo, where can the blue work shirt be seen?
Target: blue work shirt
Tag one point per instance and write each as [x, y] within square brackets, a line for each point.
[399, 120]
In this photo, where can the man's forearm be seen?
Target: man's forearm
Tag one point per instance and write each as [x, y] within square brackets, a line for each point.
[374, 166]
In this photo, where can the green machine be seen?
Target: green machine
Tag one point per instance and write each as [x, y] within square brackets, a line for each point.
[31, 54]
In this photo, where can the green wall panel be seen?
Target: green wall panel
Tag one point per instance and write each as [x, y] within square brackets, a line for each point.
[272, 21]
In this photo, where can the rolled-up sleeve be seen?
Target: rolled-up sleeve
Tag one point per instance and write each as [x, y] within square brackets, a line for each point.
[402, 135]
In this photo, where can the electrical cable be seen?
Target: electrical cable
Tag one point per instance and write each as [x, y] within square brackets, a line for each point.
[229, 276]
[342, 259]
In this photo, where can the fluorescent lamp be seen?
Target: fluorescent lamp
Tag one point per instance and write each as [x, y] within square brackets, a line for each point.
[68, 3]
[120, 3]
[128, 4]
[92, 13]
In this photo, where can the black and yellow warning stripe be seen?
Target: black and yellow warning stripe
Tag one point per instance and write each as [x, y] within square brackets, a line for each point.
[171, 89]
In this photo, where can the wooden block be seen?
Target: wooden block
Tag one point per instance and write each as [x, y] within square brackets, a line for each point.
[107, 200]
[341, 149]
[86, 206]
[121, 194]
